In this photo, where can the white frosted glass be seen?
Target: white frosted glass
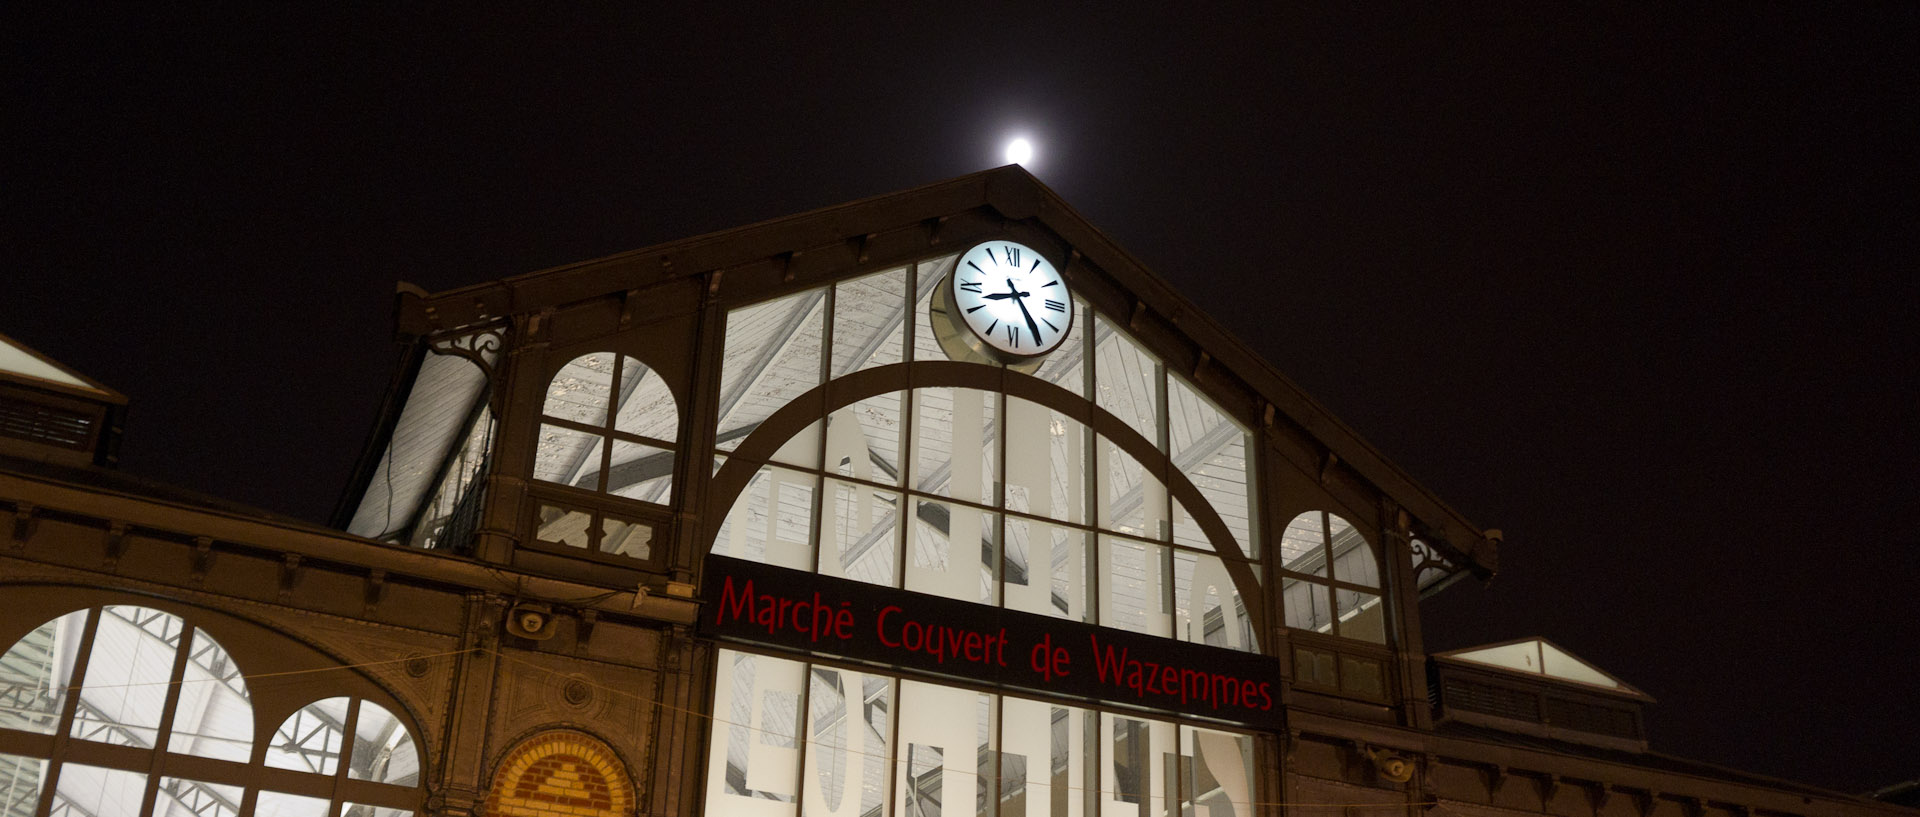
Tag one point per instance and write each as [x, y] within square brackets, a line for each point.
[771, 355]
[1220, 775]
[1047, 569]
[619, 537]
[860, 539]
[1559, 664]
[1134, 589]
[277, 804]
[801, 450]
[564, 526]
[947, 743]
[865, 439]
[849, 724]
[955, 443]
[1046, 758]
[1135, 772]
[1361, 615]
[753, 760]
[34, 674]
[214, 715]
[309, 740]
[953, 552]
[869, 321]
[772, 520]
[1307, 607]
[1207, 606]
[1353, 558]
[1129, 499]
[1046, 462]
[101, 792]
[1126, 380]
[1066, 366]
[383, 749]
[128, 672]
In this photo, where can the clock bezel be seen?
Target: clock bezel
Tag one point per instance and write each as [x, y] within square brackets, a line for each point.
[962, 341]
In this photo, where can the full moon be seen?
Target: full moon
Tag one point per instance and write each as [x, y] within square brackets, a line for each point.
[1019, 151]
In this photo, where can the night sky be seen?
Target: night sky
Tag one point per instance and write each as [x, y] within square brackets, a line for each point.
[1634, 286]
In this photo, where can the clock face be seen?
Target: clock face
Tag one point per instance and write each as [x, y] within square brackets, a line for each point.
[1012, 298]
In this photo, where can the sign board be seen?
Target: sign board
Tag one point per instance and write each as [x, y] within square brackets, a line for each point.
[810, 614]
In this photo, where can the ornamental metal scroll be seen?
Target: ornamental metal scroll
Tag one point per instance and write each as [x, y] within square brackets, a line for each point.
[482, 347]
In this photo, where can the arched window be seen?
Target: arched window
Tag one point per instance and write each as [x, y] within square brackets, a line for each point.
[608, 426]
[1331, 578]
[151, 681]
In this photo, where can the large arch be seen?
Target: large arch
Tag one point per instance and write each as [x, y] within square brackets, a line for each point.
[806, 409]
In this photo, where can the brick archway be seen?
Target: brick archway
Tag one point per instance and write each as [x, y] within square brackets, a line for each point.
[561, 773]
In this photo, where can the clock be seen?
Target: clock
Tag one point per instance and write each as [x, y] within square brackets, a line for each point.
[1003, 302]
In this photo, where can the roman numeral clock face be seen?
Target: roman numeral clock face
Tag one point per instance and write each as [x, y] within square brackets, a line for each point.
[1012, 299]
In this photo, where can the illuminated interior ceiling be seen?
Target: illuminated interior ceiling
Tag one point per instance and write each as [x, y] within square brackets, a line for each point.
[1538, 656]
[443, 397]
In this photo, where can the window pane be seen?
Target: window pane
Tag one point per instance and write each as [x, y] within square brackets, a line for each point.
[20, 781]
[1303, 547]
[1126, 380]
[1140, 769]
[1046, 462]
[568, 457]
[214, 716]
[1047, 570]
[383, 749]
[357, 810]
[309, 740]
[1066, 366]
[1220, 777]
[623, 538]
[1047, 760]
[276, 804]
[100, 792]
[193, 798]
[954, 552]
[954, 443]
[580, 390]
[641, 472]
[926, 277]
[865, 439]
[947, 745]
[1361, 616]
[1307, 606]
[1130, 500]
[772, 520]
[1353, 559]
[1207, 606]
[1135, 589]
[646, 405]
[772, 355]
[34, 673]
[860, 539]
[869, 321]
[128, 672]
[849, 722]
[1211, 450]
[564, 526]
[753, 763]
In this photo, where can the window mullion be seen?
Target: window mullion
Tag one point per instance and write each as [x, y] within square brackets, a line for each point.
[83, 655]
[163, 737]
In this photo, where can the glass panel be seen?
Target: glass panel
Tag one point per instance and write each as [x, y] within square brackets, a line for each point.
[642, 472]
[276, 804]
[1220, 774]
[1135, 587]
[568, 457]
[1066, 366]
[646, 404]
[849, 718]
[1047, 760]
[1126, 380]
[193, 798]
[1207, 606]
[1303, 547]
[1047, 570]
[1130, 500]
[1307, 605]
[926, 277]
[753, 761]
[20, 781]
[623, 538]
[954, 552]
[580, 390]
[801, 450]
[949, 425]
[772, 355]
[357, 810]
[309, 741]
[1313, 668]
[865, 439]
[869, 321]
[34, 673]
[564, 526]
[128, 672]
[1140, 769]
[947, 743]
[1353, 559]
[1186, 532]
[1046, 462]
[99, 792]
[214, 715]
[383, 749]
[1211, 450]
[860, 537]
[1361, 616]
[1361, 676]
[772, 520]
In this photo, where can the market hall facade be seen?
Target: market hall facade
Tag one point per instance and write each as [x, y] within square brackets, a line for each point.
[937, 503]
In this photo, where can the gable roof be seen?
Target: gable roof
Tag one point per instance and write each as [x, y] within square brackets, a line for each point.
[906, 224]
[23, 364]
[1540, 657]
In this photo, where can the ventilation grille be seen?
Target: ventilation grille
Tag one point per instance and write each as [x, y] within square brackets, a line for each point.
[1600, 720]
[48, 425]
[1492, 700]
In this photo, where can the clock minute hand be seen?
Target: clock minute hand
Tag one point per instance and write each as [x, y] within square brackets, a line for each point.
[1029, 315]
